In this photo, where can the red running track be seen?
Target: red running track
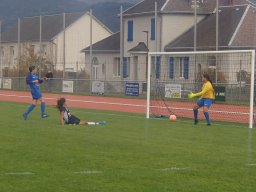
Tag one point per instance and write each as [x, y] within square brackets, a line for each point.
[219, 112]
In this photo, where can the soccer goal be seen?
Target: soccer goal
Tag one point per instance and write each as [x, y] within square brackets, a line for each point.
[172, 75]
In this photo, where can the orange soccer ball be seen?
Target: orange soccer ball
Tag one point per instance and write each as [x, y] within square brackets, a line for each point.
[172, 118]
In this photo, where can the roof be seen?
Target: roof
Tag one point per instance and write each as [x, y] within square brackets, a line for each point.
[177, 6]
[229, 20]
[141, 47]
[109, 44]
[245, 36]
[145, 6]
[52, 25]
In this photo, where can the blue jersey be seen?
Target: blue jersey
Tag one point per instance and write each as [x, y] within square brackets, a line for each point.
[34, 87]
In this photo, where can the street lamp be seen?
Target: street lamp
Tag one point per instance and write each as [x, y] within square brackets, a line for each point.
[195, 5]
[147, 38]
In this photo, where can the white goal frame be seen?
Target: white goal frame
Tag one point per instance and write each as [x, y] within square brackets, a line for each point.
[252, 52]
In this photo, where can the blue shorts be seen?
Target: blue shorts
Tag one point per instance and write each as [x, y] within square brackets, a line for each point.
[205, 103]
[36, 95]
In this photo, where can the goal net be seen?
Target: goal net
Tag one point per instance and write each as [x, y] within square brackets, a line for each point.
[172, 75]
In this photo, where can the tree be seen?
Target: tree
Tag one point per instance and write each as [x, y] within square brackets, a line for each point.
[28, 58]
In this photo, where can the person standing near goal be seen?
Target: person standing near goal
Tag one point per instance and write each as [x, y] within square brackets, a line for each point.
[207, 97]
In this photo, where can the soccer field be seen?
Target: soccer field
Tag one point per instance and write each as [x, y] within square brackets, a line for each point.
[129, 154]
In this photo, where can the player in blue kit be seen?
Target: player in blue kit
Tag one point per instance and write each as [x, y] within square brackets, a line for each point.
[34, 82]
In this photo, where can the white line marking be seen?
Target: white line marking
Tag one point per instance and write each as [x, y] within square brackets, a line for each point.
[19, 173]
[77, 100]
[251, 165]
[175, 169]
[131, 105]
[189, 122]
[88, 172]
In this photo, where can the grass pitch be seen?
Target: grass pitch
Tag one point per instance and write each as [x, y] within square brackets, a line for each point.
[129, 154]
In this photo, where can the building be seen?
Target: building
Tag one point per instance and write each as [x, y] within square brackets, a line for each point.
[59, 41]
[174, 32]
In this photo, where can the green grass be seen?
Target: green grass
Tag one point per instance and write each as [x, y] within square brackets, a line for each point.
[129, 154]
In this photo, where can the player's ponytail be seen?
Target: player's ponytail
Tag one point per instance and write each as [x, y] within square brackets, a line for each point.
[60, 103]
[207, 77]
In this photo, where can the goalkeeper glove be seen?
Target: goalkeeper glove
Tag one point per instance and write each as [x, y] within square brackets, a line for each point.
[191, 95]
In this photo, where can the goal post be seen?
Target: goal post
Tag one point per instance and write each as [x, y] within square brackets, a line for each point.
[172, 75]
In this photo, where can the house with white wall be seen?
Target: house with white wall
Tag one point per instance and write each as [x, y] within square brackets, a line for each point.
[140, 34]
[175, 27]
[60, 43]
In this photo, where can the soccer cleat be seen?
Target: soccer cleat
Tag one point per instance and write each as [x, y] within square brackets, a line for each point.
[196, 122]
[209, 125]
[44, 116]
[25, 116]
[101, 123]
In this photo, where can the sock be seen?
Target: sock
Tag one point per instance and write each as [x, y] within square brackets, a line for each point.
[43, 108]
[207, 117]
[30, 109]
[91, 123]
[195, 114]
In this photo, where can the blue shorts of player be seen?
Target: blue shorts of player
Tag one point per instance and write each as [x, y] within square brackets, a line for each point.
[36, 94]
[205, 102]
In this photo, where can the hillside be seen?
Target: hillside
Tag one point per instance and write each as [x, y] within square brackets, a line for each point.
[105, 10]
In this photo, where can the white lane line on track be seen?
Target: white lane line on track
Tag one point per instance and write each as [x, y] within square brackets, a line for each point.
[130, 105]
[77, 100]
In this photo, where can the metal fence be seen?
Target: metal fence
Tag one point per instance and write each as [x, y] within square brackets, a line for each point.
[234, 93]
[76, 86]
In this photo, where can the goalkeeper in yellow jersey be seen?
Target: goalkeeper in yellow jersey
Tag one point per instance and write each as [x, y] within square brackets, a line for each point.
[207, 97]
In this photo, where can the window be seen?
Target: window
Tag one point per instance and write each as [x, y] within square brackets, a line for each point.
[180, 64]
[156, 66]
[103, 69]
[199, 72]
[44, 49]
[116, 67]
[130, 31]
[95, 66]
[153, 28]
[2, 51]
[171, 68]
[12, 50]
[32, 47]
[126, 67]
[95, 72]
[153, 65]
[211, 62]
[186, 67]
[183, 67]
[199, 68]
[95, 61]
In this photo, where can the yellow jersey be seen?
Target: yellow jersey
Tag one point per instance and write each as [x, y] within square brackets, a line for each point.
[207, 91]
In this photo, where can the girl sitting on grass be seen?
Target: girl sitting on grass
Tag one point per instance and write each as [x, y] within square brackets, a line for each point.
[66, 118]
